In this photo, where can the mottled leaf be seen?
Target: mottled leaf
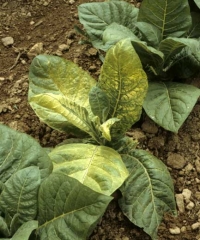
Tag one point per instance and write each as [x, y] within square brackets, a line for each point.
[106, 126]
[99, 103]
[148, 191]
[55, 75]
[125, 83]
[98, 167]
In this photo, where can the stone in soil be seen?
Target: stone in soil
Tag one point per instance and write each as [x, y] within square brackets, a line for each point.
[7, 41]
[176, 161]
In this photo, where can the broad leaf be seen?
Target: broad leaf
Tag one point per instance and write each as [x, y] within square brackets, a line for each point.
[149, 33]
[194, 31]
[170, 48]
[171, 17]
[148, 192]
[125, 83]
[116, 32]
[95, 17]
[19, 195]
[71, 111]
[149, 56]
[24, 232]
[18, 151]
[68, 209]
[99, 103]
[98, 167]
[169, 103]
[55, 75]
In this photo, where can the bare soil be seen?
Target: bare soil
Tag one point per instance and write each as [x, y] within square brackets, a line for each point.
[51, 22]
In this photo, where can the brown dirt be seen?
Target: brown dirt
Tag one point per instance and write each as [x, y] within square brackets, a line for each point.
[51, 22]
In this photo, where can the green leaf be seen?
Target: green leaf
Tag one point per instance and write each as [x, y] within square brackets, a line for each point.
[18, 151]
[125, 83]
[187, 62]
[25, 230]
[19, 195]
[4, 227]
[169, 104]
[149, 56]
[148, 191]
[58, 76]
[116, 32]
[197, 3]
[95, 17]
[170, 48]
[106, 126]
[150, 33]
[98, 167]
[99, 103]
[68, 209]
[194, 31]
[171, 17]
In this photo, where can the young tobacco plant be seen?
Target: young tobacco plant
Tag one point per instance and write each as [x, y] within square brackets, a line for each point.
[102, 159]
[165, 35]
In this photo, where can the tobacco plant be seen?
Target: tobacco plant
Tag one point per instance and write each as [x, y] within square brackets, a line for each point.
[165, 35]
[62, 193]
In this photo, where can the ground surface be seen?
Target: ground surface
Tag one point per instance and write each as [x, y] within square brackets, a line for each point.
[51, 23]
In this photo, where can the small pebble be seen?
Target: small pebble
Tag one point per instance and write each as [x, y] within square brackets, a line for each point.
[7, 41]
[63, 47]
[186, 194]
[35, 50]
[175, 230]
[183, 229]
[195, 225]
[180, 203]
[197, 165]
[197, 196]
[190, 205]
[176, 161]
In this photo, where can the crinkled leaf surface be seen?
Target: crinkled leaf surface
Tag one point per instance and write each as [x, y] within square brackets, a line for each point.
[68, 209]
[194, 31]
[149, 33]
[169, 103]
[99, 103]
[171, 17]
[116, 32]
[55, 75]
[24, 232]
[20, 193]
[148, 191]
[170, 48]
[98, 167]
[18, 151]
[71, 111]
[125, 83]
[95, 17]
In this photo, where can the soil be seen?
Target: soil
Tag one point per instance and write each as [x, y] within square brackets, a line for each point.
[49, 24]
